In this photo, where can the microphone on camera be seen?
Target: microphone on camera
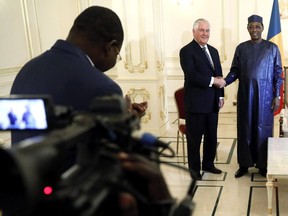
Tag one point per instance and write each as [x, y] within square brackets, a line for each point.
[148, 139]
[154, 144]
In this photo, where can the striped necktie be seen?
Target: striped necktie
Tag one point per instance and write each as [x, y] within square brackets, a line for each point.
[209, 58]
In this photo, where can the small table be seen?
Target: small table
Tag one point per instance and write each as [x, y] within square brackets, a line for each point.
[277, 165]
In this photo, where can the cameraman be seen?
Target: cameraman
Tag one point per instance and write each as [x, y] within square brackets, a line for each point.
[72, 71]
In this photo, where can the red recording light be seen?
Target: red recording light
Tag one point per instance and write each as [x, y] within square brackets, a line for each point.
[48, 190]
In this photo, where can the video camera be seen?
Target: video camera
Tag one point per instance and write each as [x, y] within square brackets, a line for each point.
[33, 179]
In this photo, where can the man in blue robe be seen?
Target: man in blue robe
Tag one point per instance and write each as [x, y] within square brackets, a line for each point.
[257, 65]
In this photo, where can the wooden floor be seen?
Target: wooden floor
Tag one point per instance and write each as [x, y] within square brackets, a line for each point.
[224, 195]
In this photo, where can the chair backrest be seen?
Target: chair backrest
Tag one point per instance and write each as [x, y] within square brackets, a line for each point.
[179, 100]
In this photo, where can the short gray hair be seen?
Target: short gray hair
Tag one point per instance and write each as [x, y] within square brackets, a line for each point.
[196, 23]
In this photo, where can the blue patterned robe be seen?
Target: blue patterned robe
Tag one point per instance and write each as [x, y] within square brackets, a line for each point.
[258, 68]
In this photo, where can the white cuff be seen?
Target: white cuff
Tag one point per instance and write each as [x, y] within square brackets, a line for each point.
[211, 82]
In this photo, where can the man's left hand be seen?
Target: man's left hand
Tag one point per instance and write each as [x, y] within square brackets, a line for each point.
[140, 108]
[275, 104]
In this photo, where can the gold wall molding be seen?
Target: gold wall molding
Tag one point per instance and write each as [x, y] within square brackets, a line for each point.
[158, 34]
[4, 71]
[160, 65]
[163, 102]
[132, 68]
[27, 26]
[144, 49]
[31, 10]
[138, 95]
[136, 56]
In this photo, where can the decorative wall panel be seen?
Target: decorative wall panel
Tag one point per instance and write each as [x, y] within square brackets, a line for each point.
[139, 96]
[135, 46]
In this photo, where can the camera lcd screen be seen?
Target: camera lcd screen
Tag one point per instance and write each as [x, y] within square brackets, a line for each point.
[23, 114]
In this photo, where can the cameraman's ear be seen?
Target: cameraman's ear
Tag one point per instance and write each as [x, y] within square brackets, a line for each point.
[111, 45]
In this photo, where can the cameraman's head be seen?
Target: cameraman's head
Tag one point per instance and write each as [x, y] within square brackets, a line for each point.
[98, 32]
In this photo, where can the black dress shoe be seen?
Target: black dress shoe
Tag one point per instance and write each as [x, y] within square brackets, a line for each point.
[263, 172]
[195, 175]
[198, 176]
[213, 170]
[240, 172]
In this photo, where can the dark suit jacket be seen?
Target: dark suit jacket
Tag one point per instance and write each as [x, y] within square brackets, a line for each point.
[65, 73]
[199, 97]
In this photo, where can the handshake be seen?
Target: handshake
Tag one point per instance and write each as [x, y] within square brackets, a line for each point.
[219, 82]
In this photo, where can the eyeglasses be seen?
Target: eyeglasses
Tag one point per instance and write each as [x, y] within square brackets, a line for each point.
[119, 58]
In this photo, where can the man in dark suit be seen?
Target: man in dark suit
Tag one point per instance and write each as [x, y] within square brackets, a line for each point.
[203, 98]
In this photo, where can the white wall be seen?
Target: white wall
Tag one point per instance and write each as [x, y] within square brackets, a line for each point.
[228, 19]
[155, 31]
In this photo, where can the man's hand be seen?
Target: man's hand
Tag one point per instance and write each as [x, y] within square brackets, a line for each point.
[157, 189]
[139, 108]
[148, 170]
[275, 104]
[128, 205]
[219, 82]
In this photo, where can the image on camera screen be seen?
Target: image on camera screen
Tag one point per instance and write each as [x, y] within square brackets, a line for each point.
[23, 114]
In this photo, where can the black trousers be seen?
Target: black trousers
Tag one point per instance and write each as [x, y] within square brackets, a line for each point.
[199, 125]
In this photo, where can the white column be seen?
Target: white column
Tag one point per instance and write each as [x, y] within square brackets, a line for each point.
[141, 72]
